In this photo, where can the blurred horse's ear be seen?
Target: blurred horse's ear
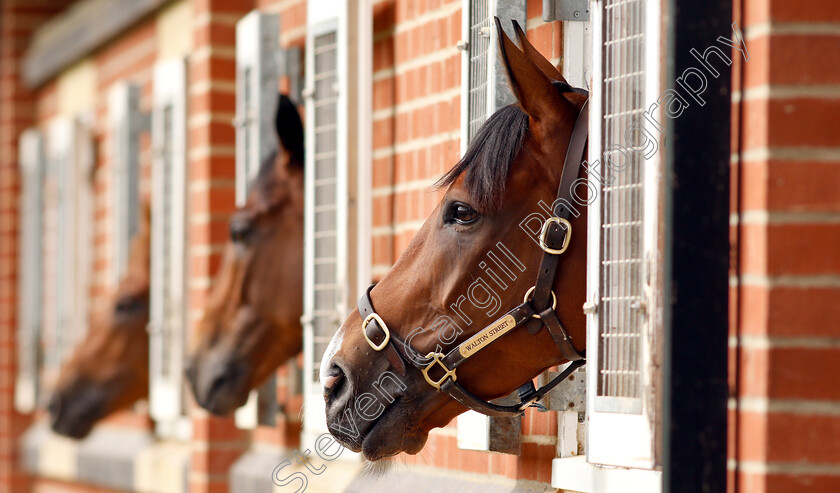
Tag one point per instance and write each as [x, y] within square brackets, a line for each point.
[535, 56]
[289, 129]
[545, 106]
[145, 217]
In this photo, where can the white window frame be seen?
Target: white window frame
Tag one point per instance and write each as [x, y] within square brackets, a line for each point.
[620, 447]
[349, 20]
[166, 390]
[475, 430]
[257, 79]
[126, 122]
[577, 69]
[30, 273]
[257, 76]
[616, 438]
[577, 53]
[70, 162]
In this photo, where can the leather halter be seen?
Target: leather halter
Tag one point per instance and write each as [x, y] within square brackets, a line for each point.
[554, 239]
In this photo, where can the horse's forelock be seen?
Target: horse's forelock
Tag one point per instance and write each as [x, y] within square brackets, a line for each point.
[491, 153]
[489, 157]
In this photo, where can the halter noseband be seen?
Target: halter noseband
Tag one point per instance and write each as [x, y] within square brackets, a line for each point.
[554, 239]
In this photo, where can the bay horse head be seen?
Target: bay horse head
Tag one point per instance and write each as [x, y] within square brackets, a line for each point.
[109, 370]
[474, 259]
[252, 324]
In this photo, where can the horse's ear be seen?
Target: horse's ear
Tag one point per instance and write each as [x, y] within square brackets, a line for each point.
[535, 56]
[543, 103]
[140, 248]
[289, 129]
[145, 218]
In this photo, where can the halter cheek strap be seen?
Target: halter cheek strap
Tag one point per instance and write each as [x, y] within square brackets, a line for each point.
[377, 334]
[439, 369]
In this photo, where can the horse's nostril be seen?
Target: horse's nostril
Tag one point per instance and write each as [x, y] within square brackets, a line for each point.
[54, 407]
[332, 382]
[189, 369]
[218, 383]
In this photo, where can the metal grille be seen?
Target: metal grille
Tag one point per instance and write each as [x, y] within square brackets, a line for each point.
[479, 49]
[168, 311]
[621, 317]
[122, 238]
[327, 291]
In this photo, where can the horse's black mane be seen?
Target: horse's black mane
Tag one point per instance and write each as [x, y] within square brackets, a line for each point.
[290, 129]
[489, 156]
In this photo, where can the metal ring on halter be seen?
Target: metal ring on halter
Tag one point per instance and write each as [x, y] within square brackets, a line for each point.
[562, 222]
[437, 358]
[374, 316]
[553, 300]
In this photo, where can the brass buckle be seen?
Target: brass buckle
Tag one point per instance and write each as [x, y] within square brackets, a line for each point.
[562, 222]
[528, 294]
[525, 405]
[384, 328]
[438, 358]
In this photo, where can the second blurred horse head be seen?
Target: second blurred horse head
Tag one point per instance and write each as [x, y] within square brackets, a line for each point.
[252, 324]
[109, 370]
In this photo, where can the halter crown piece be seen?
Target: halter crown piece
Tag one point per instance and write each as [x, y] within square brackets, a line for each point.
[554, 240]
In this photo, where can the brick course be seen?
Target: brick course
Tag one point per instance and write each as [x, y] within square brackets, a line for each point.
[17, 20]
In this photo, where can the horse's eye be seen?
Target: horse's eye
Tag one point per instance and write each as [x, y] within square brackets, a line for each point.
[239, 231]
[128, 304]
[462, 213]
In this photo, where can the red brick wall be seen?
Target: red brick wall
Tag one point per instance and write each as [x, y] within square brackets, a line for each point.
[18, 18]
[50, 486]
[785, 418]
[217, 443]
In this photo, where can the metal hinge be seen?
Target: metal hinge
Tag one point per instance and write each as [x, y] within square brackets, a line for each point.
[570, 394]
[565, 10]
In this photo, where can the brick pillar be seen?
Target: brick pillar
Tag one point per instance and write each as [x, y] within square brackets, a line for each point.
[18, 18]
[786, 418]
[211, 197]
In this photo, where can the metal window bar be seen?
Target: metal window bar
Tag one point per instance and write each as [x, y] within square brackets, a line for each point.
[169, 312]
[30, 301]
[126, 126]
[619, 383]
[56, 353]
[326, 283]
[247, 130]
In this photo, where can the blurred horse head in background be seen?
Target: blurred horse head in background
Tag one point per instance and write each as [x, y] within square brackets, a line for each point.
[109, 370]
[252, 324]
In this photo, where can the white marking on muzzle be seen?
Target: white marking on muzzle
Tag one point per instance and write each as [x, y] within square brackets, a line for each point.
[335, 344]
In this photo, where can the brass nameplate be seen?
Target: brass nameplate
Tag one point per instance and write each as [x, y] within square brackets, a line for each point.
[486, 336]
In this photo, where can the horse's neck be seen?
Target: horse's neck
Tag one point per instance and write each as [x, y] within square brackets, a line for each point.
[293, 176]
